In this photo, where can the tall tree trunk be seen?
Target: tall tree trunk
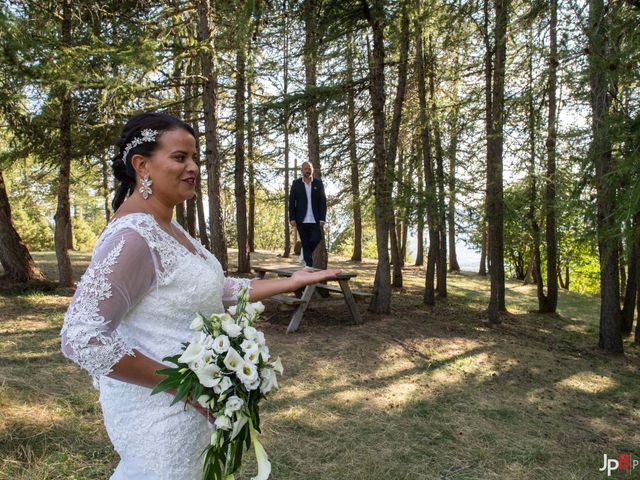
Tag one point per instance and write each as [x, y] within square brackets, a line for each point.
[213, 160]
[482, 269]
[311, 12]
[251, 162]
[551, 299]
[392, 146]
[192, 116]
[631, 289]
[240, 189]
[535, 264]
[353, 156]
[452, 154]
[417, 156]
[610, 315]
[441, 262]
[381, 299]
[495, 207]
[430, 184]
[287, 120]
[14, 255]
[63, 211]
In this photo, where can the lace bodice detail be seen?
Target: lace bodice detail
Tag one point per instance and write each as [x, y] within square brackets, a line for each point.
[141, 291]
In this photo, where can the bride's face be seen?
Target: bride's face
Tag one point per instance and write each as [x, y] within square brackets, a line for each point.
[172, 167]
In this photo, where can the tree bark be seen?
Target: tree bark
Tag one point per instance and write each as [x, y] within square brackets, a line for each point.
[430, 184]
[392, 146]
[287, 120]
[63, 211]
[192, 116]
[381, 299]
[452, 153]
[213, 160]
[14, 254]
[417, 155]
[441, 261]
[311, 12]
[495, 207]
[353, 156]
[239, 170]
[631, 289]
[550, 301]
[610, 338]
[251, 164]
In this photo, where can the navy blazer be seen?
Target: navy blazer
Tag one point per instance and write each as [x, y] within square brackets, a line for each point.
[298, 200]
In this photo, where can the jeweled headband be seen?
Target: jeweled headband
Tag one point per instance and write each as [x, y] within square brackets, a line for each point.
[146, 135]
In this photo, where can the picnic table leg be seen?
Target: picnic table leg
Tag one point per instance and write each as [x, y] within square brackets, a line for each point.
[297, 315]
[351, 302]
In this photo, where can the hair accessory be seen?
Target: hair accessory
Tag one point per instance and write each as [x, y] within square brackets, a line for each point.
[147, 135]
[145, 187]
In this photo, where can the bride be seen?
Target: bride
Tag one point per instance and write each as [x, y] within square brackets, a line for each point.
[134, 304]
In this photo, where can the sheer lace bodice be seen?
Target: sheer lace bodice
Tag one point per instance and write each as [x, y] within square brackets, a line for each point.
[141, 292]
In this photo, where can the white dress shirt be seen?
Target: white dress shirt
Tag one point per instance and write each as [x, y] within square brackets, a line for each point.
[308, 218]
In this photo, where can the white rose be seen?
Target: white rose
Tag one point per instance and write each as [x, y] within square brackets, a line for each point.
[223, 386]
[192, 353]
[269, 380]
[197, 323]
[248, 344]
[255, 308]
[250, 333]
[221, 343]
[233, 361]
[253, 385]
[232, 329]
[247, 373]
[208, 375]
[234, 403]
[223, 422]
[252, 356]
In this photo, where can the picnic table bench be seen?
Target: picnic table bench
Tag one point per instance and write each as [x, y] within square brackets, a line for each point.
[303, 301]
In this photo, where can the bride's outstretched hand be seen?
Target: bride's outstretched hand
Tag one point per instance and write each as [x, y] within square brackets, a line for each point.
[307, 276]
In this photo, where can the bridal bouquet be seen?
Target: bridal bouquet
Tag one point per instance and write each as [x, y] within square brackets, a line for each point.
[227, 369]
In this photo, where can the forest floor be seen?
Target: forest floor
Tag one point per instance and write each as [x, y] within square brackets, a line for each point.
[422, 393]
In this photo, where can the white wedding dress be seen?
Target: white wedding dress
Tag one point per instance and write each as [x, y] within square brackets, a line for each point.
[141, 292]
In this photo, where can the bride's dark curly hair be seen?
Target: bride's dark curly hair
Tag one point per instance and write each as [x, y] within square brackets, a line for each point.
[122, 169]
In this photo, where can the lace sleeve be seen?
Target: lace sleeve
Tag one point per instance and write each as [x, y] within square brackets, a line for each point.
[121, 272]
[231, 288]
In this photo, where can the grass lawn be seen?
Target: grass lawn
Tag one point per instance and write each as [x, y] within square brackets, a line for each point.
[423, 393]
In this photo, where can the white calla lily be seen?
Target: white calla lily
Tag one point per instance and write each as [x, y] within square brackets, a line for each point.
[192, 353]
[277, 366]
[264, 465]
[233, 361]
[240, 422]
[209, 375]
[269, 380]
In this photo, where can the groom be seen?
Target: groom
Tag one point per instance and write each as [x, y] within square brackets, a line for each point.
[308, 210]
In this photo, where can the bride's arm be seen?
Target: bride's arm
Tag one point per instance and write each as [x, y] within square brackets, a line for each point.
[121, 273]
[265, 288]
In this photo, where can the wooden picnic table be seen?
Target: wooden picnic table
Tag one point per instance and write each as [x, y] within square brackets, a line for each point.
[307, 295]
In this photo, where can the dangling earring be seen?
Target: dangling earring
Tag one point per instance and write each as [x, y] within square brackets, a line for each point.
[145, 187]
